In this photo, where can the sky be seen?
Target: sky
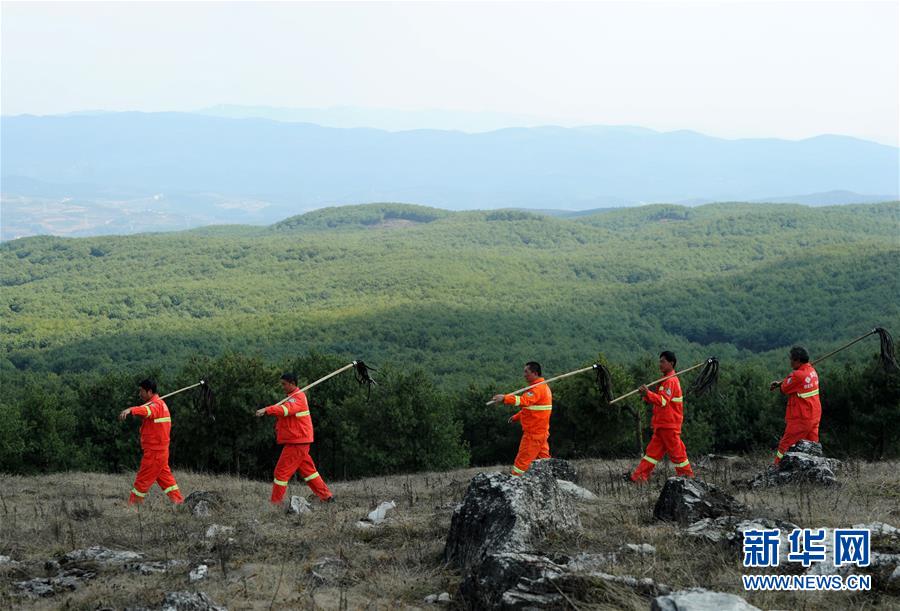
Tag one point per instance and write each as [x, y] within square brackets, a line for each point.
[730, 69]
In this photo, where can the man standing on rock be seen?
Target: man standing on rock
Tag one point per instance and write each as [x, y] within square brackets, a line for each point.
[804, 410]
[668, 414]
[155, 431]
[534, 417]
[294, 431]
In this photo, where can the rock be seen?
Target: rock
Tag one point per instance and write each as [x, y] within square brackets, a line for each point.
[713, 461]
[638, 548]
[212, 500]
[199, 573]
[802, 463]
[582, 494]
[730, 530]
[441, 599]
[878, 529]
[190, 601]
[700, 599]
[591, 562]
[101, 555]
[69, 579]
[485, 585]
[556, 467]
[328, 570]
[151, 568]
[502, 513]
[201, 510]
[217, 530]
[7, 561]
[379, 514]
[686, 500]
[298, 505]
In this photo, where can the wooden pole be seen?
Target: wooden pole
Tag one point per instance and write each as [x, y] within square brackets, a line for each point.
[559, 377]
[320, 380]
[677, 373]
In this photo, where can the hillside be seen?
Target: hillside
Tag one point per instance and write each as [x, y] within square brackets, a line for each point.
[323, 560]
[462, 294]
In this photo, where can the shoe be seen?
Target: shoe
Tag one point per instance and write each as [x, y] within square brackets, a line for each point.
[329, 499]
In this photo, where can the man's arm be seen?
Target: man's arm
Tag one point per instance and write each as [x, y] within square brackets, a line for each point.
[138, 411]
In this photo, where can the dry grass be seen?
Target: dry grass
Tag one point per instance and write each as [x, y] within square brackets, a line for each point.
[269, 564]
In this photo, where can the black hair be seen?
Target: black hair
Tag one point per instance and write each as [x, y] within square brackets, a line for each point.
[669, 356]
[799, 353]
[148, 384]
[289, 377]
[535, 367]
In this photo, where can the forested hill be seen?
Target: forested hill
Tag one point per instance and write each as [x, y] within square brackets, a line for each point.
[467, 295]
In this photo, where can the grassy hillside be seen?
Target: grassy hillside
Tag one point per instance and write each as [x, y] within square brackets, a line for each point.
[467, 295]
[271, 560]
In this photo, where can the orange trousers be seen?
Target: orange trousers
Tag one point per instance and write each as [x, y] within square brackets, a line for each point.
[295, 457]
[664, 441]
[794, 431]
[531, 448]
[154, 469]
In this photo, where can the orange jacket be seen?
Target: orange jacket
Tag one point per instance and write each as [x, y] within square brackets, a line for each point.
[536, 405]
[668, 404]
[802, 388]
[157, 423]
[293, 423]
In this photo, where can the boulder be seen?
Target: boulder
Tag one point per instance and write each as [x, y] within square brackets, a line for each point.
[802, 463]
[502, 513]
[486, 583]
[558, 468]
[700, 599]
[211, 500]
[199, 573]
[686, 500]
[190, 601]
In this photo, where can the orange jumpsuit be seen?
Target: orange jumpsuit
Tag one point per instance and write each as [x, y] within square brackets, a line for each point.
[155, 432]
[804, 410]
[294, 430]
[668, 414]
[536, 404]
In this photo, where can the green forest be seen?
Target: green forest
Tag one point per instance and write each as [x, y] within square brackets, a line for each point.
[447, 306]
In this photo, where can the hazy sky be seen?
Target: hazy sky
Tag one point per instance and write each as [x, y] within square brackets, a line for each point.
[731, 69]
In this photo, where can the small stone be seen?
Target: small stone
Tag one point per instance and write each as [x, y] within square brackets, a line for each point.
[298, 505]
[582, 494]
[217, 530]
[444, 598]
[199, 573]
[190, 601]
[700, 599]
[638, 548]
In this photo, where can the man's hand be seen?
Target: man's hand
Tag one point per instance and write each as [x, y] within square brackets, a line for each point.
[643, 390]
[261, 412]
[510, 421]
[498, 399]
[775, 384]
[124, 413]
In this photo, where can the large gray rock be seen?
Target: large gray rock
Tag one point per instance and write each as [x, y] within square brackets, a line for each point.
[700, 599]
[557, 467]
[190, 601]
[802, 463]
[502, 513]
[685, 500]
[100, 555]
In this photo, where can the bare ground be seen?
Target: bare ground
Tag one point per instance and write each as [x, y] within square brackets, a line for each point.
[272, 560]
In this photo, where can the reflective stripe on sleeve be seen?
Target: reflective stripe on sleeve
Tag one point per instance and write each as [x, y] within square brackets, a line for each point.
[284, 407]
[806, 395]
[677, 399]
[166, 419]
[301, 414]
[539, 408]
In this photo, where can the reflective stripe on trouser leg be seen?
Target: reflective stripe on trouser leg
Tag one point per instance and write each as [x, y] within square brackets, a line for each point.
[530, 448]
[652, 461]
[683, 464]
[311, 475]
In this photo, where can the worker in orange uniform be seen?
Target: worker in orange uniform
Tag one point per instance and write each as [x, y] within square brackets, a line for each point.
[294, 431]
[804, 409]
[155, 430]
[534, 417]
[668, 414]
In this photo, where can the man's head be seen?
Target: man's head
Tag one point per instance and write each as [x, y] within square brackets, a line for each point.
[146, 389]
[289, 382]
[667, 362]
[532, 371]
[798, 356]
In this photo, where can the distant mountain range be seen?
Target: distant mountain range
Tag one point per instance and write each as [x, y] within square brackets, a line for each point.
[189, 169]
